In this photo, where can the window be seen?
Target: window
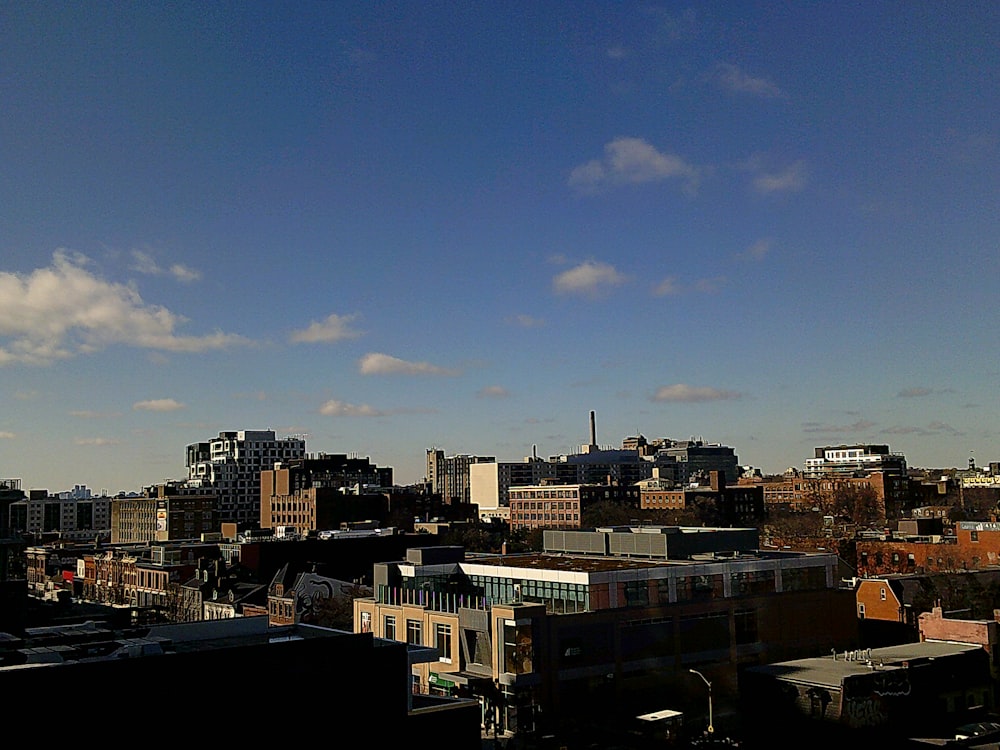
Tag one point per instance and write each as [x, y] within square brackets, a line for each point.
[861, 611]
[883, 594]
[366, 622]
[414, 632]
[389, 628]
[442, 639]
[518, 648]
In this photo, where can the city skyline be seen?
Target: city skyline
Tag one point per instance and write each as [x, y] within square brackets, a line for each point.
[403, 227]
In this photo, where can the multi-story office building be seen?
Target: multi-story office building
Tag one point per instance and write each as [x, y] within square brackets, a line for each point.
[490, 483]
[311, 494]
[232, 463]
[448, 476]
[165, 512]
[605, 625]
[685, 460]
[73, 519]
[559, 506]
[853, 460]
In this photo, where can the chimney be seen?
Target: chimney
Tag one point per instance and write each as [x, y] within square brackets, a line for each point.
[717, 480]
[593, 429]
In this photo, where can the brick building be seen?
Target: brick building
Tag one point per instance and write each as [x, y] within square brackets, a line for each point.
[975, 545]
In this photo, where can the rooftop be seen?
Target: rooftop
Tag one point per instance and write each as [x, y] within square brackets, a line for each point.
[830, 671]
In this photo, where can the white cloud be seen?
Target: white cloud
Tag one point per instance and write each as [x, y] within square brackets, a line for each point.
[375, 363]
[693, 394]
[158, 404]
[7, 436]
[87, 414]
[334, 408]
[731, 78]
[632, 161]
[64, 310]
[143, 262]
[790, 179]
[331, 329]
[588, 278]
[97, 441]
[668, 287]
[493, 391]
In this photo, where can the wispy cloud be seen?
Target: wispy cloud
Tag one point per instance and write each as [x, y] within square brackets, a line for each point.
[710, 285]
[526, 321]
[915, 392]
[7, 435]
[493, 391]
[732, 78]
[934, 428]
[693, 394]
[375, 363]
[64, 310]
[87, 414]
[589, 278]
[667, 287]
[158, 404]
[335, 408]
[331, 329]
[862, 425]
[757, 251]
[97, 441]
[144, 263]
[632, 161]
[788, 180]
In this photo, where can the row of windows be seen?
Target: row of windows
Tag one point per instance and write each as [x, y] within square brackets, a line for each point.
[414, 633]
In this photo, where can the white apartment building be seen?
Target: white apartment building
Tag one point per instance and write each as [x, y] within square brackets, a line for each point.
[232, 463]
[848, 460]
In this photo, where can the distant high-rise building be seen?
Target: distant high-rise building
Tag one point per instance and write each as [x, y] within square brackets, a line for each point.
[687, 459]
[448, 476]
[10, 492]
[232, 463]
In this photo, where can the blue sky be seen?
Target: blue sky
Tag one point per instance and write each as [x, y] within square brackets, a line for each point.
[397, 226]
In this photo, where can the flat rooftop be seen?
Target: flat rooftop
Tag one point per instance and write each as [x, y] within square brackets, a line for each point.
[829, 671]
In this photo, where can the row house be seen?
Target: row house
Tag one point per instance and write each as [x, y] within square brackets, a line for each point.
[975, 545]
[110, 577]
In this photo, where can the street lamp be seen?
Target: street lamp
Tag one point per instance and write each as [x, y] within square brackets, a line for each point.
[709, 684]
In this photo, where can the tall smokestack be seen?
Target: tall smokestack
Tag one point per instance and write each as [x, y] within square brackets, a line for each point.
[593, 429]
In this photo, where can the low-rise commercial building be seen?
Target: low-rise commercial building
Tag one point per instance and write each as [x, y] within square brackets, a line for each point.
[607, 622]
